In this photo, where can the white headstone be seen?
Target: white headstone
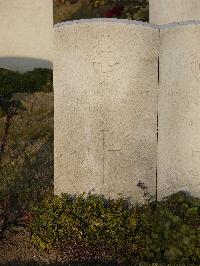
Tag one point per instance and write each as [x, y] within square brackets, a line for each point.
[179, 110]
[106, 82]
[168, 11]
[26, 34]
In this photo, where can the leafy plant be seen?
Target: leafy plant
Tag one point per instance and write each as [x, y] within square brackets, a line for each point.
[78, 9]
[90, 222]
[158, 232]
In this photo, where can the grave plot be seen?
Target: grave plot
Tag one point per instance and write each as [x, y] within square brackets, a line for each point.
[106, 83]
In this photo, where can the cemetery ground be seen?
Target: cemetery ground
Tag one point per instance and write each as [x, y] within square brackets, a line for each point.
[38, 228]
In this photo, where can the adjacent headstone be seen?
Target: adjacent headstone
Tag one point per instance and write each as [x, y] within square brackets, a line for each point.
[106, 83]
[26, 34]
[179, 109]
[168, 11]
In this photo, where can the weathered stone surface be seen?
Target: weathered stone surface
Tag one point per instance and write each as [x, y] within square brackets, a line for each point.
[26, 34]
[168, 11]
[179, 109]
[105, 80]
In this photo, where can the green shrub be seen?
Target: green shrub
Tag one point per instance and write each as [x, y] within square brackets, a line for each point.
[89, 222]
[32, 81]
[168, 231]
[176, 229]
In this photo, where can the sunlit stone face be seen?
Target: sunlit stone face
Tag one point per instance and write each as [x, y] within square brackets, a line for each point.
[105, 107]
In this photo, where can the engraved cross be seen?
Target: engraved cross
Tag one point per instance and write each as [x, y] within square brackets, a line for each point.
[104, 150]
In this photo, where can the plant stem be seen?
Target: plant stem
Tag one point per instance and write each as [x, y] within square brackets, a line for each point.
[5, 204]
[5, 136]
[4, 225]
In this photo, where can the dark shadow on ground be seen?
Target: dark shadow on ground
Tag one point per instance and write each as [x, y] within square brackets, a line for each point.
[59, 264]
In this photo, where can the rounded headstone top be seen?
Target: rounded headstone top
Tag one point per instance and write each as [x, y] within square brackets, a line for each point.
[102, 21]
[180, 24]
